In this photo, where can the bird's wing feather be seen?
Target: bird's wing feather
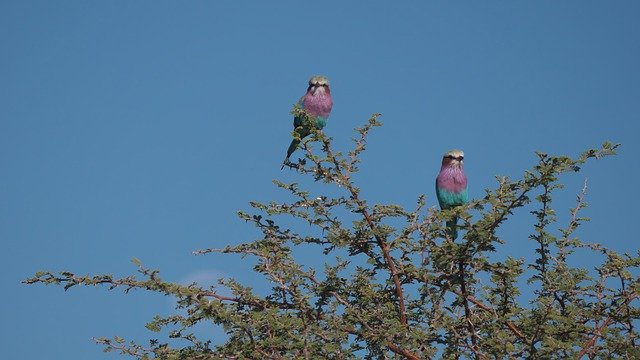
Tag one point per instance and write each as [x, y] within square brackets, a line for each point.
[297, 120]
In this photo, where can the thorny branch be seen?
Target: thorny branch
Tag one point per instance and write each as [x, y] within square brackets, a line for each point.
[337, 308]
[343, 179]
[588, 346]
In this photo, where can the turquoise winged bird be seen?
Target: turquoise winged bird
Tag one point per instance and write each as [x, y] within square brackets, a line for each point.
[317, 104]
[451, 186]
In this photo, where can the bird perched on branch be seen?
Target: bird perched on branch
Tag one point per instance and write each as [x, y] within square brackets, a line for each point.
[317, 104]
[451, 186]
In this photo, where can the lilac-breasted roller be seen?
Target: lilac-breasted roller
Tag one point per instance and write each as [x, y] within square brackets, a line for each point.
[317, 104]
[451, 186]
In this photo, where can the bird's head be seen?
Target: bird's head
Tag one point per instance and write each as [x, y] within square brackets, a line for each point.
[318, 85]
[453, 158]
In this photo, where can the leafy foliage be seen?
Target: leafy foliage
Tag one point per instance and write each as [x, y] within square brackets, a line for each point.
[409, 291]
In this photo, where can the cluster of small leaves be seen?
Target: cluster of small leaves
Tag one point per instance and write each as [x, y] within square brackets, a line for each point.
[403, 292]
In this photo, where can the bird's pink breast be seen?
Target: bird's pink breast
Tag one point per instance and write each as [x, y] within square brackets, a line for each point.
[452, 179]
[318, 105]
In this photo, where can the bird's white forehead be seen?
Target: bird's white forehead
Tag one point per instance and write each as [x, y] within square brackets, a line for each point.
[454, 153]
[319, 80]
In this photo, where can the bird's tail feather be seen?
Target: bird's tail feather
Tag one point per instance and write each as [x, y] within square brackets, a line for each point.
[452, 228]
[292, 147]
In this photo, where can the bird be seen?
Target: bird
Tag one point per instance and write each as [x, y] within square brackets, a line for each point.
[451, 186]
[317, 104]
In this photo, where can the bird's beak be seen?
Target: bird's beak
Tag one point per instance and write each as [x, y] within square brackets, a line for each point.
[318, 89]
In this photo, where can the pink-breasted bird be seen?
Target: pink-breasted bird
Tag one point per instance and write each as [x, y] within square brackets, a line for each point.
[451, 186]
[317, 104]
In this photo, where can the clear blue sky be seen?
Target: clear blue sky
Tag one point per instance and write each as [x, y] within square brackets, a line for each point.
[138, 129]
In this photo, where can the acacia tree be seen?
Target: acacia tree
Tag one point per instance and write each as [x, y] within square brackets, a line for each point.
[401, 291]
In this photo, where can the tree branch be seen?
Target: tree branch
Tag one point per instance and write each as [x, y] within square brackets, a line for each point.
[589, 344]
[386, 253]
